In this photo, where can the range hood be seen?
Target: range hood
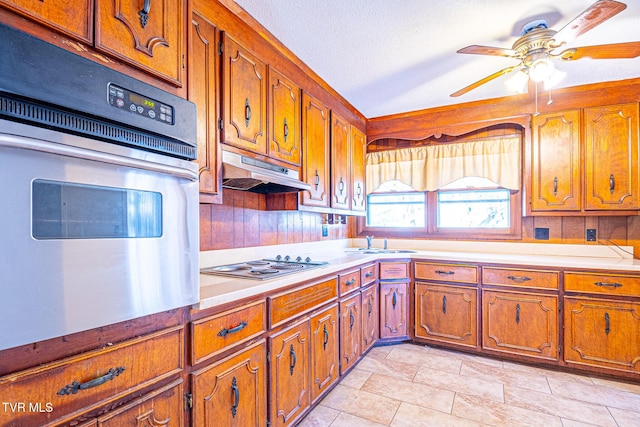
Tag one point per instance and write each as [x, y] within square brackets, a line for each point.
[245, 173]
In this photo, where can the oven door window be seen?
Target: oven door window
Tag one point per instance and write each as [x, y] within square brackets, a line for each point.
[64, 210]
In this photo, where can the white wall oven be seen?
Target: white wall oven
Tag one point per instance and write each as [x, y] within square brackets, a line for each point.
[99, 196]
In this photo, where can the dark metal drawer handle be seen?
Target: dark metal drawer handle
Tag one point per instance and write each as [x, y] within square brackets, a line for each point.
[326, 338]
[608, 285]
[394, 300]
[292, 355]
[555, 186]
[607, 323]
[519, 278]
[144, 13]
[369, 274]
[445, 272]
[224, 332]
[612, 183]
[247, 112]
[352, 320]
[75, 386]
[286, 130]
[350, 282]
[517, 314]
[236, 396]
[444, 304]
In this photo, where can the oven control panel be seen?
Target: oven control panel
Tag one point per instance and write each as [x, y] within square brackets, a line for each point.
[141, 105]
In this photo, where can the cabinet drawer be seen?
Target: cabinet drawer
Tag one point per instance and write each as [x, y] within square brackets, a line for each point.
[349, 281]
[80, 383]
[214, 334]
[394, 270]
[368, 274]
[446, 272]
[290, 304]
[527, 278]
[610, 284]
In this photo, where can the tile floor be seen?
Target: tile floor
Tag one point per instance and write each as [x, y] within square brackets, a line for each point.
[415, 385]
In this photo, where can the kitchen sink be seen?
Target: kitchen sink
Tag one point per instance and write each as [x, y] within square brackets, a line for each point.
[385, 251]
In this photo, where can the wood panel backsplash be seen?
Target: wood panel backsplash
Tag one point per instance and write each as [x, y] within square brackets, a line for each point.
[243, 221]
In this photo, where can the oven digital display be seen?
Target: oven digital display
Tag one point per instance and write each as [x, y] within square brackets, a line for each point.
[135, 103]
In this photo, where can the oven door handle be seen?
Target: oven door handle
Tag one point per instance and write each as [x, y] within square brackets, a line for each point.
[33, 144]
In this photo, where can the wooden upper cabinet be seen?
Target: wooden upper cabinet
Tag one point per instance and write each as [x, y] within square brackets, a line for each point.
[358, 146]
[315, 151]
[151, 38]
[203, 91]
[555, 161]
[340, 160]
[611, 157]
[244, 104]
[284, 119]
[72, 17]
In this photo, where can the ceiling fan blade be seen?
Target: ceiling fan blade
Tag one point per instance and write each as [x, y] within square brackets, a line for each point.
[603, 51]
[488, 50]
[485, 80]
[595, 15]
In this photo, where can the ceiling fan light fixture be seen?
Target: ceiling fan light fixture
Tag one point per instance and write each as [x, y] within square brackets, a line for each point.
[518, 81]
[555, 78]
[541, 69]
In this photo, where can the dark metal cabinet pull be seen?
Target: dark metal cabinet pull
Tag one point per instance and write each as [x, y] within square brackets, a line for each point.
[247, 112]
[359, 190]
[326, 338]
[394, 300]
[612, 183]
[517, 314]
[144, 13]
[445, 272]
[368, 274]
[224, 332]
[292, 355]
[555, 185]
[370, 309]
[444, 304]
[350, 282]
[286, 130]
[317, 179]
[608, 285]
[236, 396]
[519, 278]
[352, 320]
[75, 386]
[341, 187]
[607, 323]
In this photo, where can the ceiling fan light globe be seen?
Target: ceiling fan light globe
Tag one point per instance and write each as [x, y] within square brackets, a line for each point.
[518, 81]
[541, 70]
[554, 79]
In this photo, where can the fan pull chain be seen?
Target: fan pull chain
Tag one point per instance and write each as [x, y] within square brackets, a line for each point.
[550, 101]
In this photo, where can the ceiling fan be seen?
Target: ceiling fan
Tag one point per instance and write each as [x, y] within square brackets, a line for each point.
[537, 46]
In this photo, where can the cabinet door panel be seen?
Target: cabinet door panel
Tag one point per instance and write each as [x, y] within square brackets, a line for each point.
[231, 392]
[358, 149]
[203, 90]
[153, 41]
[340, 159]
[602, 333]
[555, 161]
[447, 313]
[370, 325]
[350, 326]
[284, 117]
[315, 137]
[611, 157]
[245, 103]
[521, 323]
[393, 310]
[289, 374]
[324, 351]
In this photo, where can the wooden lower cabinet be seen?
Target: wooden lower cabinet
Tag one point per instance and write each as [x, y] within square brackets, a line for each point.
[325, 359]
[393, 310]
[369, 310]
[447, 313]
[232, 392]
[520, 323]
[350, 326]
[289, 374]
[603, 333]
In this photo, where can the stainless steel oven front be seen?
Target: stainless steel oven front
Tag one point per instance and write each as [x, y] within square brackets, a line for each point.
[99, 212]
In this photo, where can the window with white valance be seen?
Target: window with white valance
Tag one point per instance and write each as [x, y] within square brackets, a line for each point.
[432, 167]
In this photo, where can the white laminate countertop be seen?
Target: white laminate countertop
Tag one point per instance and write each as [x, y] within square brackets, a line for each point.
[344, 254]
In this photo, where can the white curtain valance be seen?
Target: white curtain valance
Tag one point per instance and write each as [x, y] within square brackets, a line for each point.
[432, 167]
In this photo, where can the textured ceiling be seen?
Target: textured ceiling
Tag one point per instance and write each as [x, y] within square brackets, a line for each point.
[395, 56]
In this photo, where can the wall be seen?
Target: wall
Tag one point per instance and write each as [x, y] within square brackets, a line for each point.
[243, 221]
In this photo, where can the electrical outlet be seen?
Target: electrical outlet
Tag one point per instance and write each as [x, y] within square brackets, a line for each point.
[591, 234]
[325, 230]
[541, 233]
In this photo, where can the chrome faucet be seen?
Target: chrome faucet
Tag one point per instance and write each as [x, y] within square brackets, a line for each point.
[369, 241]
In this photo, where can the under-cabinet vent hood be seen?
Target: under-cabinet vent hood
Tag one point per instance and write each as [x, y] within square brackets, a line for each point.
[248, 174]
